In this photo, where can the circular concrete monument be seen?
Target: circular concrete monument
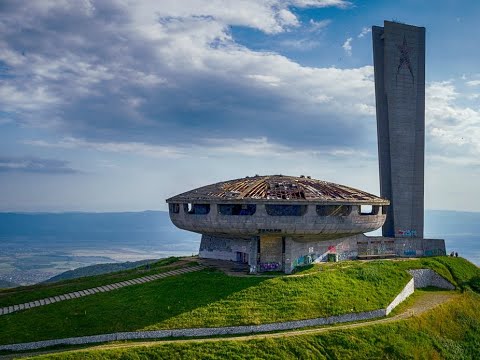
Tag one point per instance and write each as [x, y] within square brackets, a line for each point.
[254, 219]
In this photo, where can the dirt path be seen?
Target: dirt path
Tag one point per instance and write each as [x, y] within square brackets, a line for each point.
[424, 302]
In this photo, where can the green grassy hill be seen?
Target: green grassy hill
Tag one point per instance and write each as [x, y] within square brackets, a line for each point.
[451, 331]
[209, 298]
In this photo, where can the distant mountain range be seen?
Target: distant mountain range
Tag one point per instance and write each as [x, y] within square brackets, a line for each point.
[74, 225]
[6, 284]
[35, 247]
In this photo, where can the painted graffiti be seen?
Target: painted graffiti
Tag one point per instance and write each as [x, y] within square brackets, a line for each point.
[305, 260]
[407, 233]
[409, 252]
[269, 266]
[347, 255]
[434, 252]
[332, 248]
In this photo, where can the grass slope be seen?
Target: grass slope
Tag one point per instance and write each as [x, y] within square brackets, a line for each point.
[208, 298]
[211, 298]
[25, 294]
[451, 331]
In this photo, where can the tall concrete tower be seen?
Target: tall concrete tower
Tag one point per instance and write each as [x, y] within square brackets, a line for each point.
[399, 62]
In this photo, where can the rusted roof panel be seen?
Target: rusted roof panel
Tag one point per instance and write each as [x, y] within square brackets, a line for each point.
[278, 188]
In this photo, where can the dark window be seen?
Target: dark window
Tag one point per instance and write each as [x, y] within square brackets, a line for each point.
[369, 209]
[197, 209]
[236, 209]
[174, 208]
[286, 210]
[334, 210]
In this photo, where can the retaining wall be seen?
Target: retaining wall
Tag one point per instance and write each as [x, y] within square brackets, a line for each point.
[404, 294]
[428, 277]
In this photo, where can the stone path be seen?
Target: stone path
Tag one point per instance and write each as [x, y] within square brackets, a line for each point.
[91, 291]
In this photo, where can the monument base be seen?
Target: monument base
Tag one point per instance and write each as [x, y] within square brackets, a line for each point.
[286, 253]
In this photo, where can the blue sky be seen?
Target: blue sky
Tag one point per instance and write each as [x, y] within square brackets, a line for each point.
[117, 105]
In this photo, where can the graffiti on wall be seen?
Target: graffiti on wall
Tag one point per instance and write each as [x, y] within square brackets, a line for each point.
[409, 253]
[305, 260]
[407, 233]
[269, 266]
[347, 255]
[434, 252]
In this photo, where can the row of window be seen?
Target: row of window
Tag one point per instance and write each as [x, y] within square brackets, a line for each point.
[275, 210]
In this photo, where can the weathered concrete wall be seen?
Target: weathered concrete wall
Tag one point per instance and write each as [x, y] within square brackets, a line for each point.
[271, 256]
[428, 277]
[299, 252]
[224, 248]
[416, 247]
[309, 224]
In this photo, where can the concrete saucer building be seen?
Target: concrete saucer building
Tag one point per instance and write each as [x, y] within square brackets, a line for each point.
[280, 222]
[272, 222]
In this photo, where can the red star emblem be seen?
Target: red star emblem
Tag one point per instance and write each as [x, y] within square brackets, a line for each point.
[404, 57]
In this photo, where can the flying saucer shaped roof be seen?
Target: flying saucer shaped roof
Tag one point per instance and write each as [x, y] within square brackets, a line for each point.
[278, 188]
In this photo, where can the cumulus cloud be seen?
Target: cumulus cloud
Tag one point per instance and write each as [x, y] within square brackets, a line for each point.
[452, 129]
[347, 46]
[35, 165]
[473, 82]
[170, 70]
[159, 79]
[315, 26]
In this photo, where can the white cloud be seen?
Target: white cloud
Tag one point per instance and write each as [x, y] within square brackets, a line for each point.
[452, 129]
[260, 147]
[473, 83]
[364, 32]
[266, 79]
[134, 148]
[347, 46]
[154, 45]
[316, 26]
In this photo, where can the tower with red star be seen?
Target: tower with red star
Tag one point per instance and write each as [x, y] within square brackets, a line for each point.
[399, 63]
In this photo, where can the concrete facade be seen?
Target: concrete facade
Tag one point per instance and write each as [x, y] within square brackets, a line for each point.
[399, 62]
[309, 225]
[286, 253]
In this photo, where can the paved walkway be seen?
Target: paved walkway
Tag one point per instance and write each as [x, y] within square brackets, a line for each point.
[99, 289]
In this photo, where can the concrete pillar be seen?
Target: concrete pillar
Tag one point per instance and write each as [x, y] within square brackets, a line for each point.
[253, 255]
[288, 263]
